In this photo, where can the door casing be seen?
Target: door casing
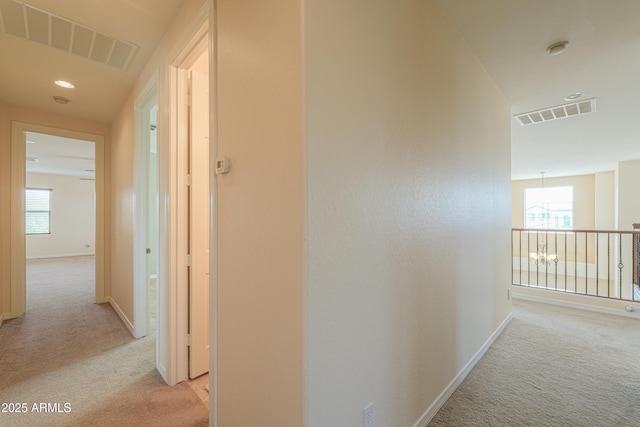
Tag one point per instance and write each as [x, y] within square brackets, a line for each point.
[18, 184]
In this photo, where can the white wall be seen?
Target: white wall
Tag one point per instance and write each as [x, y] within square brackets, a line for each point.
[122, 164]
[72, 217]
[408, 209]
[628, 200]
[605, 200]
[260, 213]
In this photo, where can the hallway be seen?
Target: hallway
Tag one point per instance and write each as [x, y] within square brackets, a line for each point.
[79, 358]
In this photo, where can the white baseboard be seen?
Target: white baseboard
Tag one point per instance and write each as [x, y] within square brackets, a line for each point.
[453, 385]
[581, 302]
[124, 318]
[5, 316]
[60, 255]
[162, 370]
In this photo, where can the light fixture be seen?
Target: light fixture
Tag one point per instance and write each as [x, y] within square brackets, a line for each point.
[573, 96]
[542, 257]
[64, 84]
[557, 48]
[30, 142]
[61, 99]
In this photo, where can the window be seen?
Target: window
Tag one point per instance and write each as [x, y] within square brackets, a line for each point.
[548, 207]
[38, 211]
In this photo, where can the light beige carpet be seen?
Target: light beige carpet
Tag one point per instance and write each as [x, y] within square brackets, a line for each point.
[69, 350]
[553, 367]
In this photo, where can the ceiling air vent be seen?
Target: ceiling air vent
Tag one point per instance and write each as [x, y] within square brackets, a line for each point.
[28, 22]
[557, 113]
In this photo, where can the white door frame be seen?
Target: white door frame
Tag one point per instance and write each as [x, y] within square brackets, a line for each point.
[171, 334]
[213, 225]
[18, 184]
[179, 77]
[199, 213]
[143, 106]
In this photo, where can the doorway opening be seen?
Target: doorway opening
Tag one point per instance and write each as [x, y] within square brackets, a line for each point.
[152, 222]
[176, 297]
[60, 219]
[191, 161]
[145, 317]
[49, 154]
[198, 220]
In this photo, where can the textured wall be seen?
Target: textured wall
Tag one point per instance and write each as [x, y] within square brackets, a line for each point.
[73, 217]
[10, 113]
[628, 200]
[122, 204]
[409, 209]
[260, 213]
[605, 200]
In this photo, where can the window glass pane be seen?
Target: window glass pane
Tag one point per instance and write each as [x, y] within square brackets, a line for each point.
[37, 223]
[37, 211]
[549, 207]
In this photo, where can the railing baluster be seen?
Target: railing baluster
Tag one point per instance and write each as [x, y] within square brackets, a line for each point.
[537, 264]
[546, 264]
[520, 254]
[555, 261]
[586, 263]
[566, 262]
[620, 265]
[626, 289]
[575, 261]
[608, 265]
[528, 265]
[598, 264]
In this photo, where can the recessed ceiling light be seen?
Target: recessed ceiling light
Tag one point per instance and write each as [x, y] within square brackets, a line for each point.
[61, 99]
[557, 48]
[30, 142]
[64, 84]
[573, 96]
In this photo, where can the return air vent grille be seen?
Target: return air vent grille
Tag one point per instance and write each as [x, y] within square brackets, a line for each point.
[556, 113]
[30, 23]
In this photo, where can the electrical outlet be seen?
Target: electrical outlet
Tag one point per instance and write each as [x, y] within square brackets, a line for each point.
[367, 416]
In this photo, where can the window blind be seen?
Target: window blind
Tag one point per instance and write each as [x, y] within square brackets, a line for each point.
[37, 211]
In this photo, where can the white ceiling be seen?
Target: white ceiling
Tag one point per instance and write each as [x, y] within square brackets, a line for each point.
[602, 60]
[28, 69]
[508, 36]
[60, 156]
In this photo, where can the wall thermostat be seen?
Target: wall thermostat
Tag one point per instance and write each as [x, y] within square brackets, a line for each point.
[222, 165]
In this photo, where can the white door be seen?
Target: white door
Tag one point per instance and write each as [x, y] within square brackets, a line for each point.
[199, 227]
